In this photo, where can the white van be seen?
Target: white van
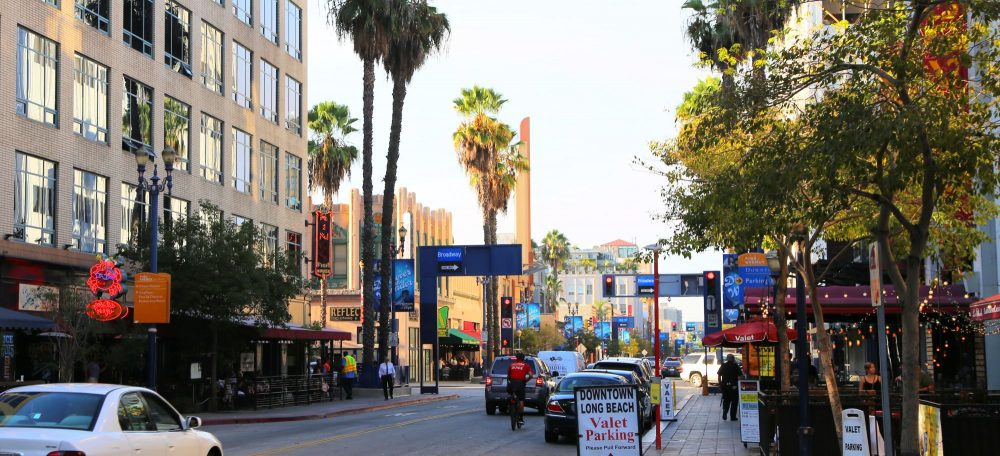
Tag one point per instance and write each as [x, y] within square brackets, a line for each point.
[562, 362]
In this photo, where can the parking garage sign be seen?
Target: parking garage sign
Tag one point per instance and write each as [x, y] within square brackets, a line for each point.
[607, 420]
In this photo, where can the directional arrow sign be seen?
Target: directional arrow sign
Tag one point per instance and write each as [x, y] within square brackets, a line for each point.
[449, 267]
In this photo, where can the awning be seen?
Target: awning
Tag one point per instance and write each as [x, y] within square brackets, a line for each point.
[12, 319]
[986, 309]
[296, 333]
[756, 331]
[456, 338]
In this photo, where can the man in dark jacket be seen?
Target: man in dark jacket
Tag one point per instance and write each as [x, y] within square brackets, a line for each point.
[729, 375]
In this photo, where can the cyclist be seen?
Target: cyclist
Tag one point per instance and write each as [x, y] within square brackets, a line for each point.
[517, 376]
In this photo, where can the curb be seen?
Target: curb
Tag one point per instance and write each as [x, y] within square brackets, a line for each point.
[344, 412]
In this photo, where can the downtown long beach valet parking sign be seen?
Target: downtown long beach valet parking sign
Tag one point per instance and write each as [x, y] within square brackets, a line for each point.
[607, 420]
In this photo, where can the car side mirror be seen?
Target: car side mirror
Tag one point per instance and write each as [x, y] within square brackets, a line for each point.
[193, 422]
[555, 373]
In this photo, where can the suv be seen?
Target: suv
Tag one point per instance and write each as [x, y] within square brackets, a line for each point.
[536, 392]
[693, 367]
[637, 365]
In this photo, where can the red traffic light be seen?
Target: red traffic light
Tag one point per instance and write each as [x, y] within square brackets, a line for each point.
[608, 279]
[507, 301]
[710, 275]
[505, 342]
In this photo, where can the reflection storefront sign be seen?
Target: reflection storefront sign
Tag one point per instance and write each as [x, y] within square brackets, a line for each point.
[345, 314]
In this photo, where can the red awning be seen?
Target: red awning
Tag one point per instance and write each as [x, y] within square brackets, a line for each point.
[755, 331]
[986, 309]
[476, 334]
[305, 334]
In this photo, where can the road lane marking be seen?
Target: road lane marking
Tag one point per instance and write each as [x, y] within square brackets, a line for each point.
[313, 443]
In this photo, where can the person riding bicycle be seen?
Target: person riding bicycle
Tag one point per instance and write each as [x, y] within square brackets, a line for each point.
[517, 377]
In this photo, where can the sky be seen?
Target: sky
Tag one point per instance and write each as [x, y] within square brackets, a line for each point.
[598, 82]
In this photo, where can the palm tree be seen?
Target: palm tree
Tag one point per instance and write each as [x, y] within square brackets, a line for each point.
[330, 158]
[365, 22]
[588, 264]
[417, 31]
[601, 310]
[484, 147]
[553, 291]
[555, 250]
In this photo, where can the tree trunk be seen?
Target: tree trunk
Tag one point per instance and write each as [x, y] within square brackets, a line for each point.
[780, 321]
[213, 403]
[823, 343]
[487, 308]
[910, 329]
[368, 232]
[494, 298]
[388, 199]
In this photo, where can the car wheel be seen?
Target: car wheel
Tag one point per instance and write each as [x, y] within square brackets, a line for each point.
[696, 379]
[491, 408]
[551, 437]
[215, 452]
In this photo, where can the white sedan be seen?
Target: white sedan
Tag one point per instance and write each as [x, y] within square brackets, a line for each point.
[80, 419]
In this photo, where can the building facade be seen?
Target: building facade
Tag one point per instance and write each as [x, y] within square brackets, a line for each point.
[97, 82]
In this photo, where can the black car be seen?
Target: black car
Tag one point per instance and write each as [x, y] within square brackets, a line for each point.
[645, 402]
[560, 413]
[671, 368]
[636, 365]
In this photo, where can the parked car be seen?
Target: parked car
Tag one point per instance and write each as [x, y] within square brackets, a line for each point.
[536, 392]
[646, 409]
[671, 367]
[560, 411]
[95, 420]
[637, 365]
[694, 367]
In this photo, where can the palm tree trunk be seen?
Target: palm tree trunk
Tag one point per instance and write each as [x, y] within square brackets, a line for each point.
[322, 301]
[388, 199]
[493, 298]
[487, 308]
[823, 342]
[368, 232]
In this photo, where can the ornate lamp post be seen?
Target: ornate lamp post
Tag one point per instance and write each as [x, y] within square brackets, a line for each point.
[396, 251]
[154, 186]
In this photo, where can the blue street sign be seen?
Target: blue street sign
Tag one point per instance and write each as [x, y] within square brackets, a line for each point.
[449, 260]
[646, 285]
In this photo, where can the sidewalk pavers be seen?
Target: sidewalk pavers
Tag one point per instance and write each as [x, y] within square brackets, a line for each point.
[700, 430]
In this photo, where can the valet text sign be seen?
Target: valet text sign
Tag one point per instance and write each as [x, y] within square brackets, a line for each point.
[607, 420]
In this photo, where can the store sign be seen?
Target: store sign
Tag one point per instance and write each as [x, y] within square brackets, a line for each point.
[345, 313]
[607, 419]
[321, 233]
[106, 278]
[106, 310]
[37, 298]
[749, 411]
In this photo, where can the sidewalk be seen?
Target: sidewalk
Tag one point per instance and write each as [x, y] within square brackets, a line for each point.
[317, 411]
[699, 429]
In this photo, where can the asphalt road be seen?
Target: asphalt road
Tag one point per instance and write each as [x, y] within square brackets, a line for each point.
[453, 427]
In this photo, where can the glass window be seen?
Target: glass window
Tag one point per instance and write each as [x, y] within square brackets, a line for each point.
[242, 75]
[90, 202]
[340, 259]
[137, 25]
[268, 91]
[293, 29]
[37, 79]
[293, 105]
[175, 209]
[94, 13]
[268, 241]
[211, 57]
[269, 20]
[242, 151]
[135, 210]
[54, 3]
[137, 116]
[293, 182]
[90, 99]
[162, 416]
[211, 148]
[49, 410]
[268, 172]
[177, 130]
[34, 199]
[243, 9]
[293, 243]
[239, 220]
[178, 30]
[132, 414]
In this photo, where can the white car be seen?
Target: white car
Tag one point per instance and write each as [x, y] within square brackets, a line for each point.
[82, 419]
[694, 366]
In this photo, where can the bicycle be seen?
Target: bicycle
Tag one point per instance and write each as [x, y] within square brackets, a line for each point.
[516, 418]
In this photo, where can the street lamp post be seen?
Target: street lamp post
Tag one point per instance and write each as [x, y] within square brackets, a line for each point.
[802, 351]
[656, 249]
[154, 186]
[774, 264]
[397, 251]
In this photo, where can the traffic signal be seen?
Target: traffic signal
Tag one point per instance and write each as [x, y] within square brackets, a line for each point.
[506, 321]
[506, 307]
[713, 302]
[673, 326]
[609, 285]
[589, 323]
[505, 342]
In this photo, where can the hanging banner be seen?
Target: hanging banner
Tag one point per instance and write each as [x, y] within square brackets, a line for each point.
[732, 290]
[321, 258]
[402, 296]
[749, 411]
[607, 420]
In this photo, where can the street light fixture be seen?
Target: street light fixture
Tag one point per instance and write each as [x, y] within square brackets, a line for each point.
[656, 249]
[396, 251]
[154, 186]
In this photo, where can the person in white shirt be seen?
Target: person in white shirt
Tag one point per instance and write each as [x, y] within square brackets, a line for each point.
[387, 373]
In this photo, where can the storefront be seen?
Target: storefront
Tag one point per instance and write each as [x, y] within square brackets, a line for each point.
[987, 311]
[17, 331]
[459, 350]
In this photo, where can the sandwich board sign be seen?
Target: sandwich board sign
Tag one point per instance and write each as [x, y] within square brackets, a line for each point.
[668, 400]
[854, 431]
[607, 420]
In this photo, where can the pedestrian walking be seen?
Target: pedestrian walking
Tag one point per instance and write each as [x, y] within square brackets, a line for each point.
[387, 374]
[350, 373]
[729, 375]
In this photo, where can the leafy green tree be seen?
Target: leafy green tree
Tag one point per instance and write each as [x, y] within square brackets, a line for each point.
[555, 251]
[416, 31]
[602, 309]
[553, 292]
[367, 24]
[217, 278]
[330, 158]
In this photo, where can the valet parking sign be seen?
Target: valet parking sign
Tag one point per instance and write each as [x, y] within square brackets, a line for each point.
[607, 420]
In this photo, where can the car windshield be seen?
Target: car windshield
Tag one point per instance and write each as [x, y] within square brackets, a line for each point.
[50, 410]
[501, 365]
[569, 383]
[619, 366]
